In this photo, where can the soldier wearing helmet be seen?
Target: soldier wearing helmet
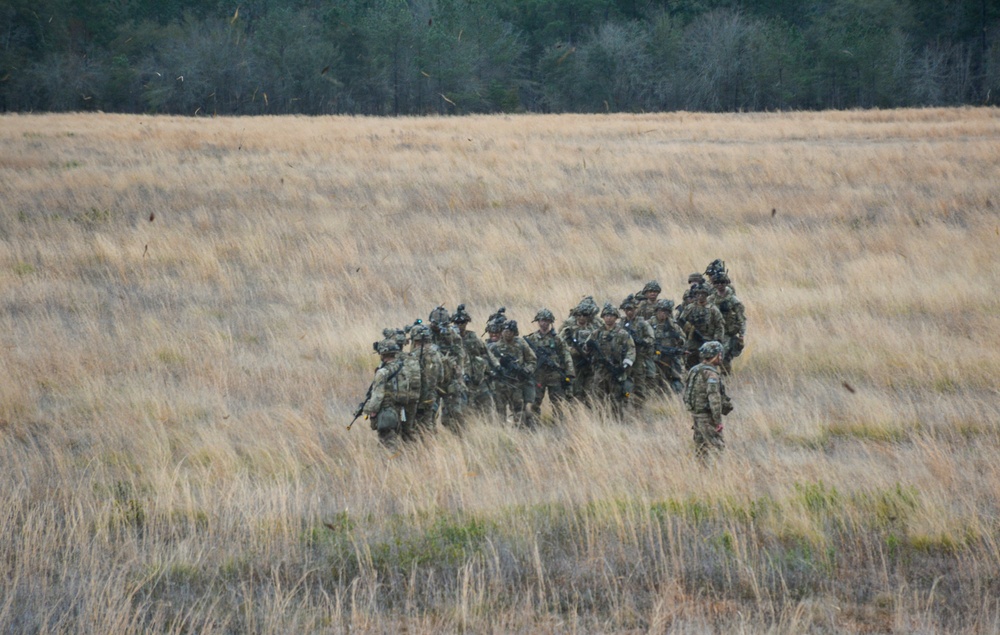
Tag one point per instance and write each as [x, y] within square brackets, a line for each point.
[574, 333]
[701, 322]
[644, 372]
[687, 298]
[668, 352]
[611, 351]
[385, 406]
[514, 386]
[647, 299]
[733, 317]
[431, 365]
[554, 371]
[454, 393]
[706, 399]
[479, 363]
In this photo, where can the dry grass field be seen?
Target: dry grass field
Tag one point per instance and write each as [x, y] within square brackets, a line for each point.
[187, 316]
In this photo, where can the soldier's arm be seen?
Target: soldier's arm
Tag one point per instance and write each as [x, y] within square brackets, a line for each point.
[374, 403]
[719, 330]
[567, 358]
[530, 360]
[629, 356]
[741, 318]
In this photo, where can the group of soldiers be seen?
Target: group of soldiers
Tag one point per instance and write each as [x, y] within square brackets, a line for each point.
[614, 355]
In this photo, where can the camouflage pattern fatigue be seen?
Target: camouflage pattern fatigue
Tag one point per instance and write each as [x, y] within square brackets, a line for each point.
[554, 370]
[668, 354]
[431, 364]
[708, 403]
[644, 372]
[453, 391]
[514, 387]
[608, 350]
[700, 323]
[735, 325]
[383, 409]
[647, 309]
[575, 337]
[480, 364]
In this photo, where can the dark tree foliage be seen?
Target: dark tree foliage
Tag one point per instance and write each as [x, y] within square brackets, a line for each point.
[400, 57]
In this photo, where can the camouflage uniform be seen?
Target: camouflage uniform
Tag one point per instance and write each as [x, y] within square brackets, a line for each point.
[733, 317]
[706, 399]
[431, 365]
[479, 363]
[701, 322]
[514, 386]
[575, 333]
[669, 347]
[387, 405]
[644, 373]
[454, 394]
[554, 372]
[647, 299]
[687, 298]
[612, 355]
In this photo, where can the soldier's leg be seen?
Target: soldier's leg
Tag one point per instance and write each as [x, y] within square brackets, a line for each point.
[707, 440]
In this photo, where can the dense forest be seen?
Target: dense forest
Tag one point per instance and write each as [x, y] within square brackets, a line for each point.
[468, 56]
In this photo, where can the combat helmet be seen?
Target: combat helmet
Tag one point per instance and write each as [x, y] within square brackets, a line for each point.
[609, 309]
[461, 316]
[664, 305]
[652, 285]
[628, 303]
[714, 267]
[510, 325]
[388, 347]
[708, 350]
[494, 326]
[587, 307]
[720, 277]
[696, 278]
[544, 314]
[440, 315]
[419, 333]
[699, 289]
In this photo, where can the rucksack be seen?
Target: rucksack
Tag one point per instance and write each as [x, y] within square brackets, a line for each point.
[404, 382]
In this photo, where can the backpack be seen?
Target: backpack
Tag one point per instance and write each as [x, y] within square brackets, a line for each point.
[405, 381]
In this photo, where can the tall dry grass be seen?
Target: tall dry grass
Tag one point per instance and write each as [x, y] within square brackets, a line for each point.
[188, 311]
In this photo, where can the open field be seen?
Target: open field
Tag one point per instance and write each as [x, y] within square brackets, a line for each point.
[187, 319]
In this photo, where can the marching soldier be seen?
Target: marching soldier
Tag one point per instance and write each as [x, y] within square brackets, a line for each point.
[390, 396]
[554, 371]
[479, 363]
[647, 300]
[453, 382]
[706, 399]
[611, 351]
[431, 365]
[514, 387]
[733, 317]
[668, 345]
[701, 322]
[574, 334]
[644, 371]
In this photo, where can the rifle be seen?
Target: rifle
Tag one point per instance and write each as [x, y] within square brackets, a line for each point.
[578, 347]
[361, 406]
[511, 368]
[618, 374]
[544, 356]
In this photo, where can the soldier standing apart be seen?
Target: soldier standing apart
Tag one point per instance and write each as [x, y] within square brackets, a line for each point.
[706, 399]
[669, 347]
[514, 387]
[733, 317]
[612, 355]
[575, 333]
[431, 369]
[701, 322]
[644, 372]
[479, 362]
[452, 390]
[554, 371]
[385, 407]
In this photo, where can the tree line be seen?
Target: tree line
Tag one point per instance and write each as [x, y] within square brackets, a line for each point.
[405, 57]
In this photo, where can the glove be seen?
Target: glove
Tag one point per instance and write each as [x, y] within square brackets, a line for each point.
[627, 363]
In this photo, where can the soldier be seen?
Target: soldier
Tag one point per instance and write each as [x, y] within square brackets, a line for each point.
[431, 365]
[493, 330]
[575, 334]
[389, 396]
[479, 363]
[455, 395]
[611, 351]
[693, 280]
[701, 322]
[715, 267]
[706, 399]
[647, 299]
[644, 372]
[669, 347]
[514, 386]
[554, 372]
[733, 317]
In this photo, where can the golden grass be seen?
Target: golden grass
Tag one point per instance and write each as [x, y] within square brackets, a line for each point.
[188, 314]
